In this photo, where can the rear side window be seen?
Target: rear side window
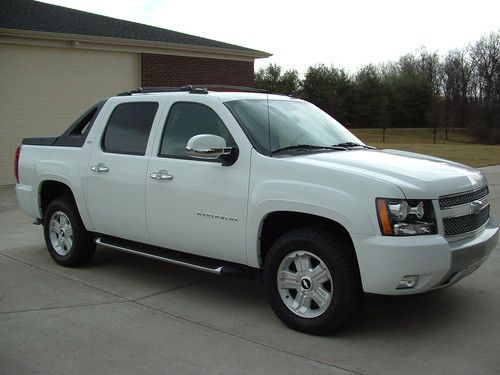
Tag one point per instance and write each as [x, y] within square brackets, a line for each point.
[128, 128]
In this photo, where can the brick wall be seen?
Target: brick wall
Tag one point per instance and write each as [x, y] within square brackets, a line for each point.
[165, 70]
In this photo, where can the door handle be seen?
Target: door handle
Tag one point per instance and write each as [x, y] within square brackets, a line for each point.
[99, 168]
[161, 176]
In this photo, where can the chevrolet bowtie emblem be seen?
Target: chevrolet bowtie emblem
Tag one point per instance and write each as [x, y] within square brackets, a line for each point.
[476, 206]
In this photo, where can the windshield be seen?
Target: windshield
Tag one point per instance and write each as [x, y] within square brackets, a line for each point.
[292, 123]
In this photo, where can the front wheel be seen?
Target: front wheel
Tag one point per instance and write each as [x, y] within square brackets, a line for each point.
[66, 238]
[312, 280]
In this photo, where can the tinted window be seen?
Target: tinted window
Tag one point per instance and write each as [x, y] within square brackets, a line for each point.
[186, 120]
[128, 128]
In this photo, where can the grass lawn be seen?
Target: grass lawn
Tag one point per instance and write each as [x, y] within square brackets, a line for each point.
[458, 147]
[469, 154]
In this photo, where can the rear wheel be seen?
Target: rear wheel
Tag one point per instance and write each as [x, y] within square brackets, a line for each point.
[66, 238]
[312, 280]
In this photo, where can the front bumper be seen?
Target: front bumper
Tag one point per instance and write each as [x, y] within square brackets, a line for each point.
[384, 261]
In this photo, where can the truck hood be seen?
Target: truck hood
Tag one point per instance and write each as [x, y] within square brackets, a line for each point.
[418, 176]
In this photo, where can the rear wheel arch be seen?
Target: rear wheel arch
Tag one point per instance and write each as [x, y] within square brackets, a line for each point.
[50, 190]
[52, 186]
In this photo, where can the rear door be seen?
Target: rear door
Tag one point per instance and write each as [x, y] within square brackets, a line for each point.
[117, 171]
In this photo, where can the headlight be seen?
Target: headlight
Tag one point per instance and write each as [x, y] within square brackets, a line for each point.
[398, 217]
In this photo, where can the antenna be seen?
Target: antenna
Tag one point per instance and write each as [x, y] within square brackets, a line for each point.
[269, 124]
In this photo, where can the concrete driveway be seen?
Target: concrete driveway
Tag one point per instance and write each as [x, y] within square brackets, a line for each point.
[125, 314]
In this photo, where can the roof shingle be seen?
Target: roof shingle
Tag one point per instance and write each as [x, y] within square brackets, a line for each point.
[37, 16]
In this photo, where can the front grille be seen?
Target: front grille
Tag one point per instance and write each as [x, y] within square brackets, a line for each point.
[459, 199]
[466, 223]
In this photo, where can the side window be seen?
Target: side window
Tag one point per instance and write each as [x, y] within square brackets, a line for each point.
[185, 120]
[128, 128]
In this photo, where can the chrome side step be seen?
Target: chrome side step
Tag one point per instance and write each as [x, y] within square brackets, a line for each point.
[162, 256]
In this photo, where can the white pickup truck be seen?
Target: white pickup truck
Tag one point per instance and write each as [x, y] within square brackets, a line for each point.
[258, 185]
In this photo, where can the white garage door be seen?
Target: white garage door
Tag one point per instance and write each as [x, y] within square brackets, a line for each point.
[43, 90]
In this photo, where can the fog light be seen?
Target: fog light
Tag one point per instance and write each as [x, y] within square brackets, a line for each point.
[408, 282]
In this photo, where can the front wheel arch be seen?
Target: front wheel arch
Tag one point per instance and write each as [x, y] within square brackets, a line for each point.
[277, 223]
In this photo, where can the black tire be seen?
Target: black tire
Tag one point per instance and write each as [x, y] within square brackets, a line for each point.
[82, 246]
[337, 254]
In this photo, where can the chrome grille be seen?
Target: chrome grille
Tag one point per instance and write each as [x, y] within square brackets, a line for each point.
[466, 223]
[459, 199]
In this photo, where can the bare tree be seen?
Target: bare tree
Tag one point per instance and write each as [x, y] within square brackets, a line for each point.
[485, 55]
[458, 71]
[430, 66]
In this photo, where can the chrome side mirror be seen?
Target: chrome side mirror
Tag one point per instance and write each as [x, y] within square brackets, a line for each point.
[207, 146]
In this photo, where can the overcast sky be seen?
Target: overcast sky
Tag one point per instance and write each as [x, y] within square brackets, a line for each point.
[348, 33]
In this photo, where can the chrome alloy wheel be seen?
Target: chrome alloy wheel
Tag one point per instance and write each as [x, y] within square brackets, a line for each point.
[305, 284]
[61, 233]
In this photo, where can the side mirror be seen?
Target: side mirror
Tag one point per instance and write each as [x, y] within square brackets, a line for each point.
[208, 146]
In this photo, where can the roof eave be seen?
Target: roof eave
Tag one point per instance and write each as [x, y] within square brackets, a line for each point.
[19, 36]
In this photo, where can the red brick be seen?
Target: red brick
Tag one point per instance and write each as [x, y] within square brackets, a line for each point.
[165, 70]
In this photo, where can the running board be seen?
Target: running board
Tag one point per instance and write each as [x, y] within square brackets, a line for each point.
[182, 259]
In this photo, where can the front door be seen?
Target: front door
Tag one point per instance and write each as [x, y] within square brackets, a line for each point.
[117, 172]
[193, 205]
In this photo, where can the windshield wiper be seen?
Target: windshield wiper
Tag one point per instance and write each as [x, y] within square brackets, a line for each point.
[309, 147]
[352, 144]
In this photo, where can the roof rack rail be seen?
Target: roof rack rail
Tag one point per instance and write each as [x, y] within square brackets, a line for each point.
[193, 89]
[232, 87]
[146, 90]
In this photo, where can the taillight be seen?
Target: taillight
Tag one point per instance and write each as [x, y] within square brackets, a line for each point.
[16, 163]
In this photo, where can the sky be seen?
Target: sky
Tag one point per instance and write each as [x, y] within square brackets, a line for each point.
[347, 34]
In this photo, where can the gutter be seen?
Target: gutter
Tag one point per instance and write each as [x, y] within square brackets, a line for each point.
[49, 39]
